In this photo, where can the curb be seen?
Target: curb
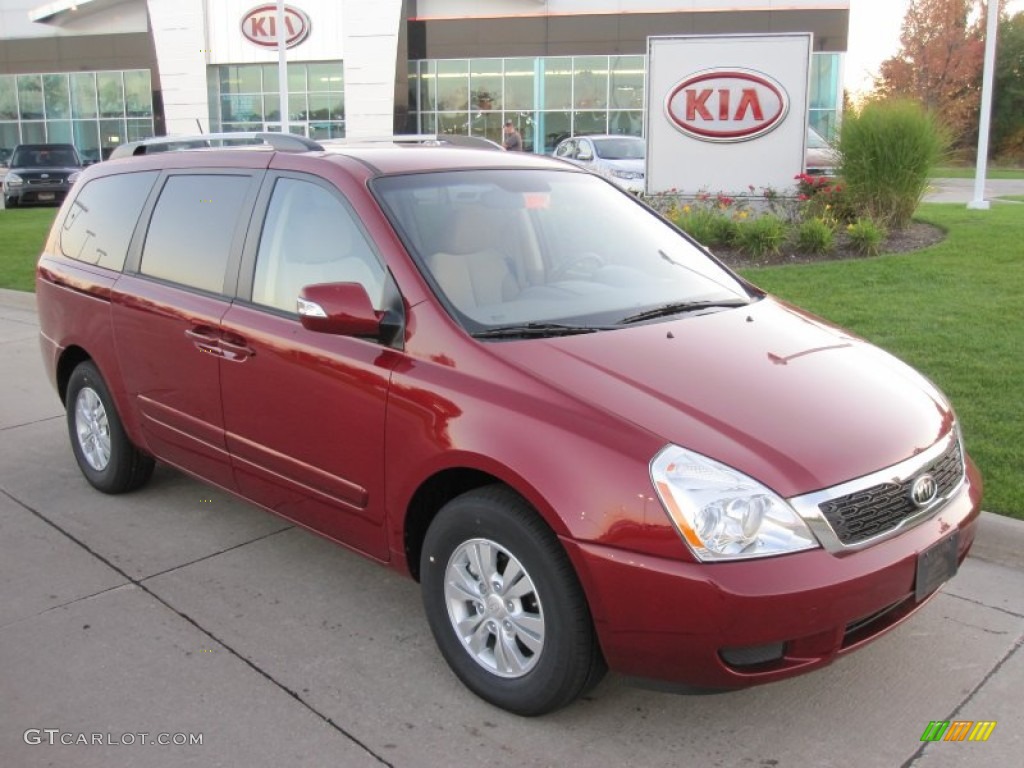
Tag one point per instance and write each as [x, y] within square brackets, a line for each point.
[17, 299]
[999, 540]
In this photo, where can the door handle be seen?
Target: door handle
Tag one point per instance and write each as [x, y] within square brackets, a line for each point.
[235, 348]
[205, 338]
[236, 352]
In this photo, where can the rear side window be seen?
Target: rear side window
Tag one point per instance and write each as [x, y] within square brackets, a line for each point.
[193, 224]
[99, 226]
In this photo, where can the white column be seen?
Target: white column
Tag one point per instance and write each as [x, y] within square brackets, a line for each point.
[179, 36]
[370, 31]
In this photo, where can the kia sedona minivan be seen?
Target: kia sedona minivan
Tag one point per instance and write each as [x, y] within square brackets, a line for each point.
[593, 445]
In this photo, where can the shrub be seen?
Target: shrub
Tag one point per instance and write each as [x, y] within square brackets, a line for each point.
[761, 236]
[887, 151]
[723, 230]
[696, 222]
[866, 236]
[815, 236]
[826, 198]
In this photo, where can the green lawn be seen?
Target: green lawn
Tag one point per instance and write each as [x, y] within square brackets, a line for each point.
[22, 233]
[953, 311]
[968, 173]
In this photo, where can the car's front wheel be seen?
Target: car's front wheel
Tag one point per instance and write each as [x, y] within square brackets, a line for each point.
[107, 458]
[505, 606]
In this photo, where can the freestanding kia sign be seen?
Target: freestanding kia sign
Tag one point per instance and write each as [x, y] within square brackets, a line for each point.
[725, 112]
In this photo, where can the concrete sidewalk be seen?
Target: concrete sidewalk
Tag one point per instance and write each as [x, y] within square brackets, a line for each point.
[962, 190]
[179, 610]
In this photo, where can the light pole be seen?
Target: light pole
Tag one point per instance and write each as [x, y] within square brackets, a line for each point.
[979, 202]
[282, 67]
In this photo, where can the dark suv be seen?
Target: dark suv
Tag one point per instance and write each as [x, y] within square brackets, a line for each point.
[40, 173]
[505, 377]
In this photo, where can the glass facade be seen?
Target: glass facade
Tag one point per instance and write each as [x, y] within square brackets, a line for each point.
[95, 111]
[550, 98]
[245, 97]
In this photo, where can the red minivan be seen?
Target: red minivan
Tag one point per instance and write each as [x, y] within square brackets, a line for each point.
[593, 444]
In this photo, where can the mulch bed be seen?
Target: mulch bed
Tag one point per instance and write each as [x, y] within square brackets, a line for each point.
[915, 237]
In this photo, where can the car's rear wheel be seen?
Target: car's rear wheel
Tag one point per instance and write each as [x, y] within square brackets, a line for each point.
[103, 451]
[505, 606]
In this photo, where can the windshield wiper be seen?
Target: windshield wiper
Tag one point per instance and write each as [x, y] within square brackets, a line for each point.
[679, 308]
[530, 330]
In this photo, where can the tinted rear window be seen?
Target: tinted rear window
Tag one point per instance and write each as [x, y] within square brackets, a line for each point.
[100, 222]
[193, 224]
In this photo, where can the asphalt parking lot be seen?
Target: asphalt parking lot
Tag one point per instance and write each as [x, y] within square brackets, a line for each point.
[181, 611]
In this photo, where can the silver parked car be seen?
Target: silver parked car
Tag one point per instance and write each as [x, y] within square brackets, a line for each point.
[618, 158]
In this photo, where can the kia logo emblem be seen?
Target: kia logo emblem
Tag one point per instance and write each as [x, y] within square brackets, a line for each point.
[924, 490]
[260, 26]
[725, 105]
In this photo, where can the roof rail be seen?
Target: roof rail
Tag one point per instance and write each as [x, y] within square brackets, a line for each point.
[430, 139]
[283, 142]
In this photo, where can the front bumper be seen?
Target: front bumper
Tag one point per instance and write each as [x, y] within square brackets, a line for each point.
[773, 618]
[37, 193]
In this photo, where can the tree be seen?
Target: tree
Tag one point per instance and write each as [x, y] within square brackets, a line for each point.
[1008, 93]
[939, 63]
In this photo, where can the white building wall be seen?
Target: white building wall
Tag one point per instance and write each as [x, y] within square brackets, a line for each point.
[448, 9]
[110, 19]
[179, 36]
[326, 41]
[371, 50]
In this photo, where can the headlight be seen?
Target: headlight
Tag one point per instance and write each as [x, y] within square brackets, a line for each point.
[72, 178]
[627, 174]
[721, 513]
[13, 180]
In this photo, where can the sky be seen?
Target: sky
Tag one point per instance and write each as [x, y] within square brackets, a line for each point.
[875, 36]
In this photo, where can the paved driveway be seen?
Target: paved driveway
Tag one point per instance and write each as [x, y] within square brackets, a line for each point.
[179, 610]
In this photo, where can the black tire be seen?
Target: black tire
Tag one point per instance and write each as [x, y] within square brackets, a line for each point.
[120, 466]
[11, 202]
[568, 661]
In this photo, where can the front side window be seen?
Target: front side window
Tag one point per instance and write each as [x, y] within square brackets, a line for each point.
[519, 247]
[102, 218]
[309, 237]
[193, 225]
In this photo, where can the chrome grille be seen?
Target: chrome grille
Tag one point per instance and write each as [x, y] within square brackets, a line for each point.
[870, 512]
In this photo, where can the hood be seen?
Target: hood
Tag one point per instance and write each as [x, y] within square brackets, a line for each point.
[772, 391]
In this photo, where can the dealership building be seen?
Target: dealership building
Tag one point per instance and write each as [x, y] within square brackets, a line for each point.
[98, 73]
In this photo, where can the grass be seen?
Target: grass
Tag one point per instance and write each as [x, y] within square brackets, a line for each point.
[1013, 198]
[969, 172]
[953, 311]
[22, 234]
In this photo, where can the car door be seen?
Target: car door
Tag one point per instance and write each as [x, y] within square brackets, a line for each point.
[304, 411]
[166, 314]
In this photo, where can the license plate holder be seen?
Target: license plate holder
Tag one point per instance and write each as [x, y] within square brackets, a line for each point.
[935, 566]
[46, 195]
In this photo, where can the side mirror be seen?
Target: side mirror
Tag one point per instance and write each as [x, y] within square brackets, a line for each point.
[343, 309]
[584, 154]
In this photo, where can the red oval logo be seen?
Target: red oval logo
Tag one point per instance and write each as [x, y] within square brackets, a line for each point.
[260, 26]
[727, 105]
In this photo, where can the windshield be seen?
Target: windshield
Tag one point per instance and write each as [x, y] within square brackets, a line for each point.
[44, 157]
[517, 247]
[620, 149]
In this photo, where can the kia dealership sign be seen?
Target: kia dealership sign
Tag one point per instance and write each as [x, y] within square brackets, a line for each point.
[727, 105]
[725, 112]
[259, 26]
